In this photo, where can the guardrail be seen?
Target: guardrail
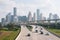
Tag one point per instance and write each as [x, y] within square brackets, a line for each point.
[53, 33]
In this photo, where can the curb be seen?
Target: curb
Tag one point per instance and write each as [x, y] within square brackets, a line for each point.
[53, 33]
[18, 34]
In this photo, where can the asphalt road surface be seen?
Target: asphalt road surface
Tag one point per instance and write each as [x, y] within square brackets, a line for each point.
[35, 36]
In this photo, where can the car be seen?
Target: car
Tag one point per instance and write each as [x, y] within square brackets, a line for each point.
[36, 31]
[41, 32]
[28, 34]
[36, 27]
[41, 28]
[46, 34]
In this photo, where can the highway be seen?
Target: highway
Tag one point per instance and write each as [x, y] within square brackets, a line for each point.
[34, 35]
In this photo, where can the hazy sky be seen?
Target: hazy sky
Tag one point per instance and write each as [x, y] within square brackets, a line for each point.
[24, 6]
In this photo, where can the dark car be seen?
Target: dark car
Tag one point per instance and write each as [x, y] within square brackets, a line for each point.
[41, 32]
[28, 34]
[36, 31]
[36, 27]
[41, 28]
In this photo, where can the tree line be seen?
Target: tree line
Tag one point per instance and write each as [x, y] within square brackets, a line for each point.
[10, 26]
[51, 25]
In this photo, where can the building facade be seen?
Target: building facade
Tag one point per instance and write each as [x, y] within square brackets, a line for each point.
[29, 17]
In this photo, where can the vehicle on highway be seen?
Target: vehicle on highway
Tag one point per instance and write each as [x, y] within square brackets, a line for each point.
[41, 32]
[36, 27]
[47, 34]
[41, 29]
[28, 34]
[36, 31]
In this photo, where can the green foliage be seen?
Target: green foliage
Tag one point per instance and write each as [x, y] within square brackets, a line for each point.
[12, 26]
[9, 31]
[11, 35]
[29, 27]
[51, 25]
[55, 31]
[1, 26]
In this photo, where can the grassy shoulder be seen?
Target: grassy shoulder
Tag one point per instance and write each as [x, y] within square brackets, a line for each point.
[29, 27]
[55, 31]
[8, 35]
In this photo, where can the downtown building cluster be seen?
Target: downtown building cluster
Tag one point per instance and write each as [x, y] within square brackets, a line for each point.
[13, 18]
[36, 16]
[18, 19]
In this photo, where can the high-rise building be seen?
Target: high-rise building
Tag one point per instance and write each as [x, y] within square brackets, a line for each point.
[3, 21]
[14, 11]
[8, 18]
[29, 17]
[15, 19]
[34, 17]
[15, 16]
[41, 16]
[50, 16]
[55, 16]
[38, 14]
[12, 18]
[22, 18]
[44, 18]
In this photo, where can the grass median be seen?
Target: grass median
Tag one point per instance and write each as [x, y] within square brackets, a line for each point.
[9, 35]
[29, 27]
[55, 31]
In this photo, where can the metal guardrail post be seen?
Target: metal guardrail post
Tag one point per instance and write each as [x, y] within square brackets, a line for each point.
[48, 23]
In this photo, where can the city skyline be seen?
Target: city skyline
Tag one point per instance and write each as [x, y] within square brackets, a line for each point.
[23, 7]
[36, 16]
[29, 19]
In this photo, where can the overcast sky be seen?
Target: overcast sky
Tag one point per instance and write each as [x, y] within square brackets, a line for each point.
[24, 6]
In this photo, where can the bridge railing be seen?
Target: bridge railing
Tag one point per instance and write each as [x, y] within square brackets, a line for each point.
[52, 23]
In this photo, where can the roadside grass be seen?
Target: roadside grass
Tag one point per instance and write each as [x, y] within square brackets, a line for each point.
[29, 27]
[8, 35]
[55, 31]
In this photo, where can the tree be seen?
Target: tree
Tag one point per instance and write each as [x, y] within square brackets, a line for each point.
[10, 26]
[0, 26]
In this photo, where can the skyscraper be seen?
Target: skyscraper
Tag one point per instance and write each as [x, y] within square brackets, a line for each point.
[55, 16]
[15, 19]
[50, 16]
[34, 17]
[12, 18]
[14, 11]
[15, 16]
[44, 18]
[29, 17]
[3, 21]
[41, 16]
[38, 14]
[8, 18]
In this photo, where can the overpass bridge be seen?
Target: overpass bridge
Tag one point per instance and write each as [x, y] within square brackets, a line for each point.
[55, 23]
[36, 22]
[36, 36]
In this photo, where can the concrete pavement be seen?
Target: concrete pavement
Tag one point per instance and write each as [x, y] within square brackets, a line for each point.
[43, 36]
[35, 36]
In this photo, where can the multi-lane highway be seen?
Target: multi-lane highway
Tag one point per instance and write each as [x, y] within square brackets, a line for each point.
[35, 36]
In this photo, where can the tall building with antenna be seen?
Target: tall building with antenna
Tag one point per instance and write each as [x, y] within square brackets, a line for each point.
[29, 16]
[15, 11]
[38, 14]
[15, 15]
